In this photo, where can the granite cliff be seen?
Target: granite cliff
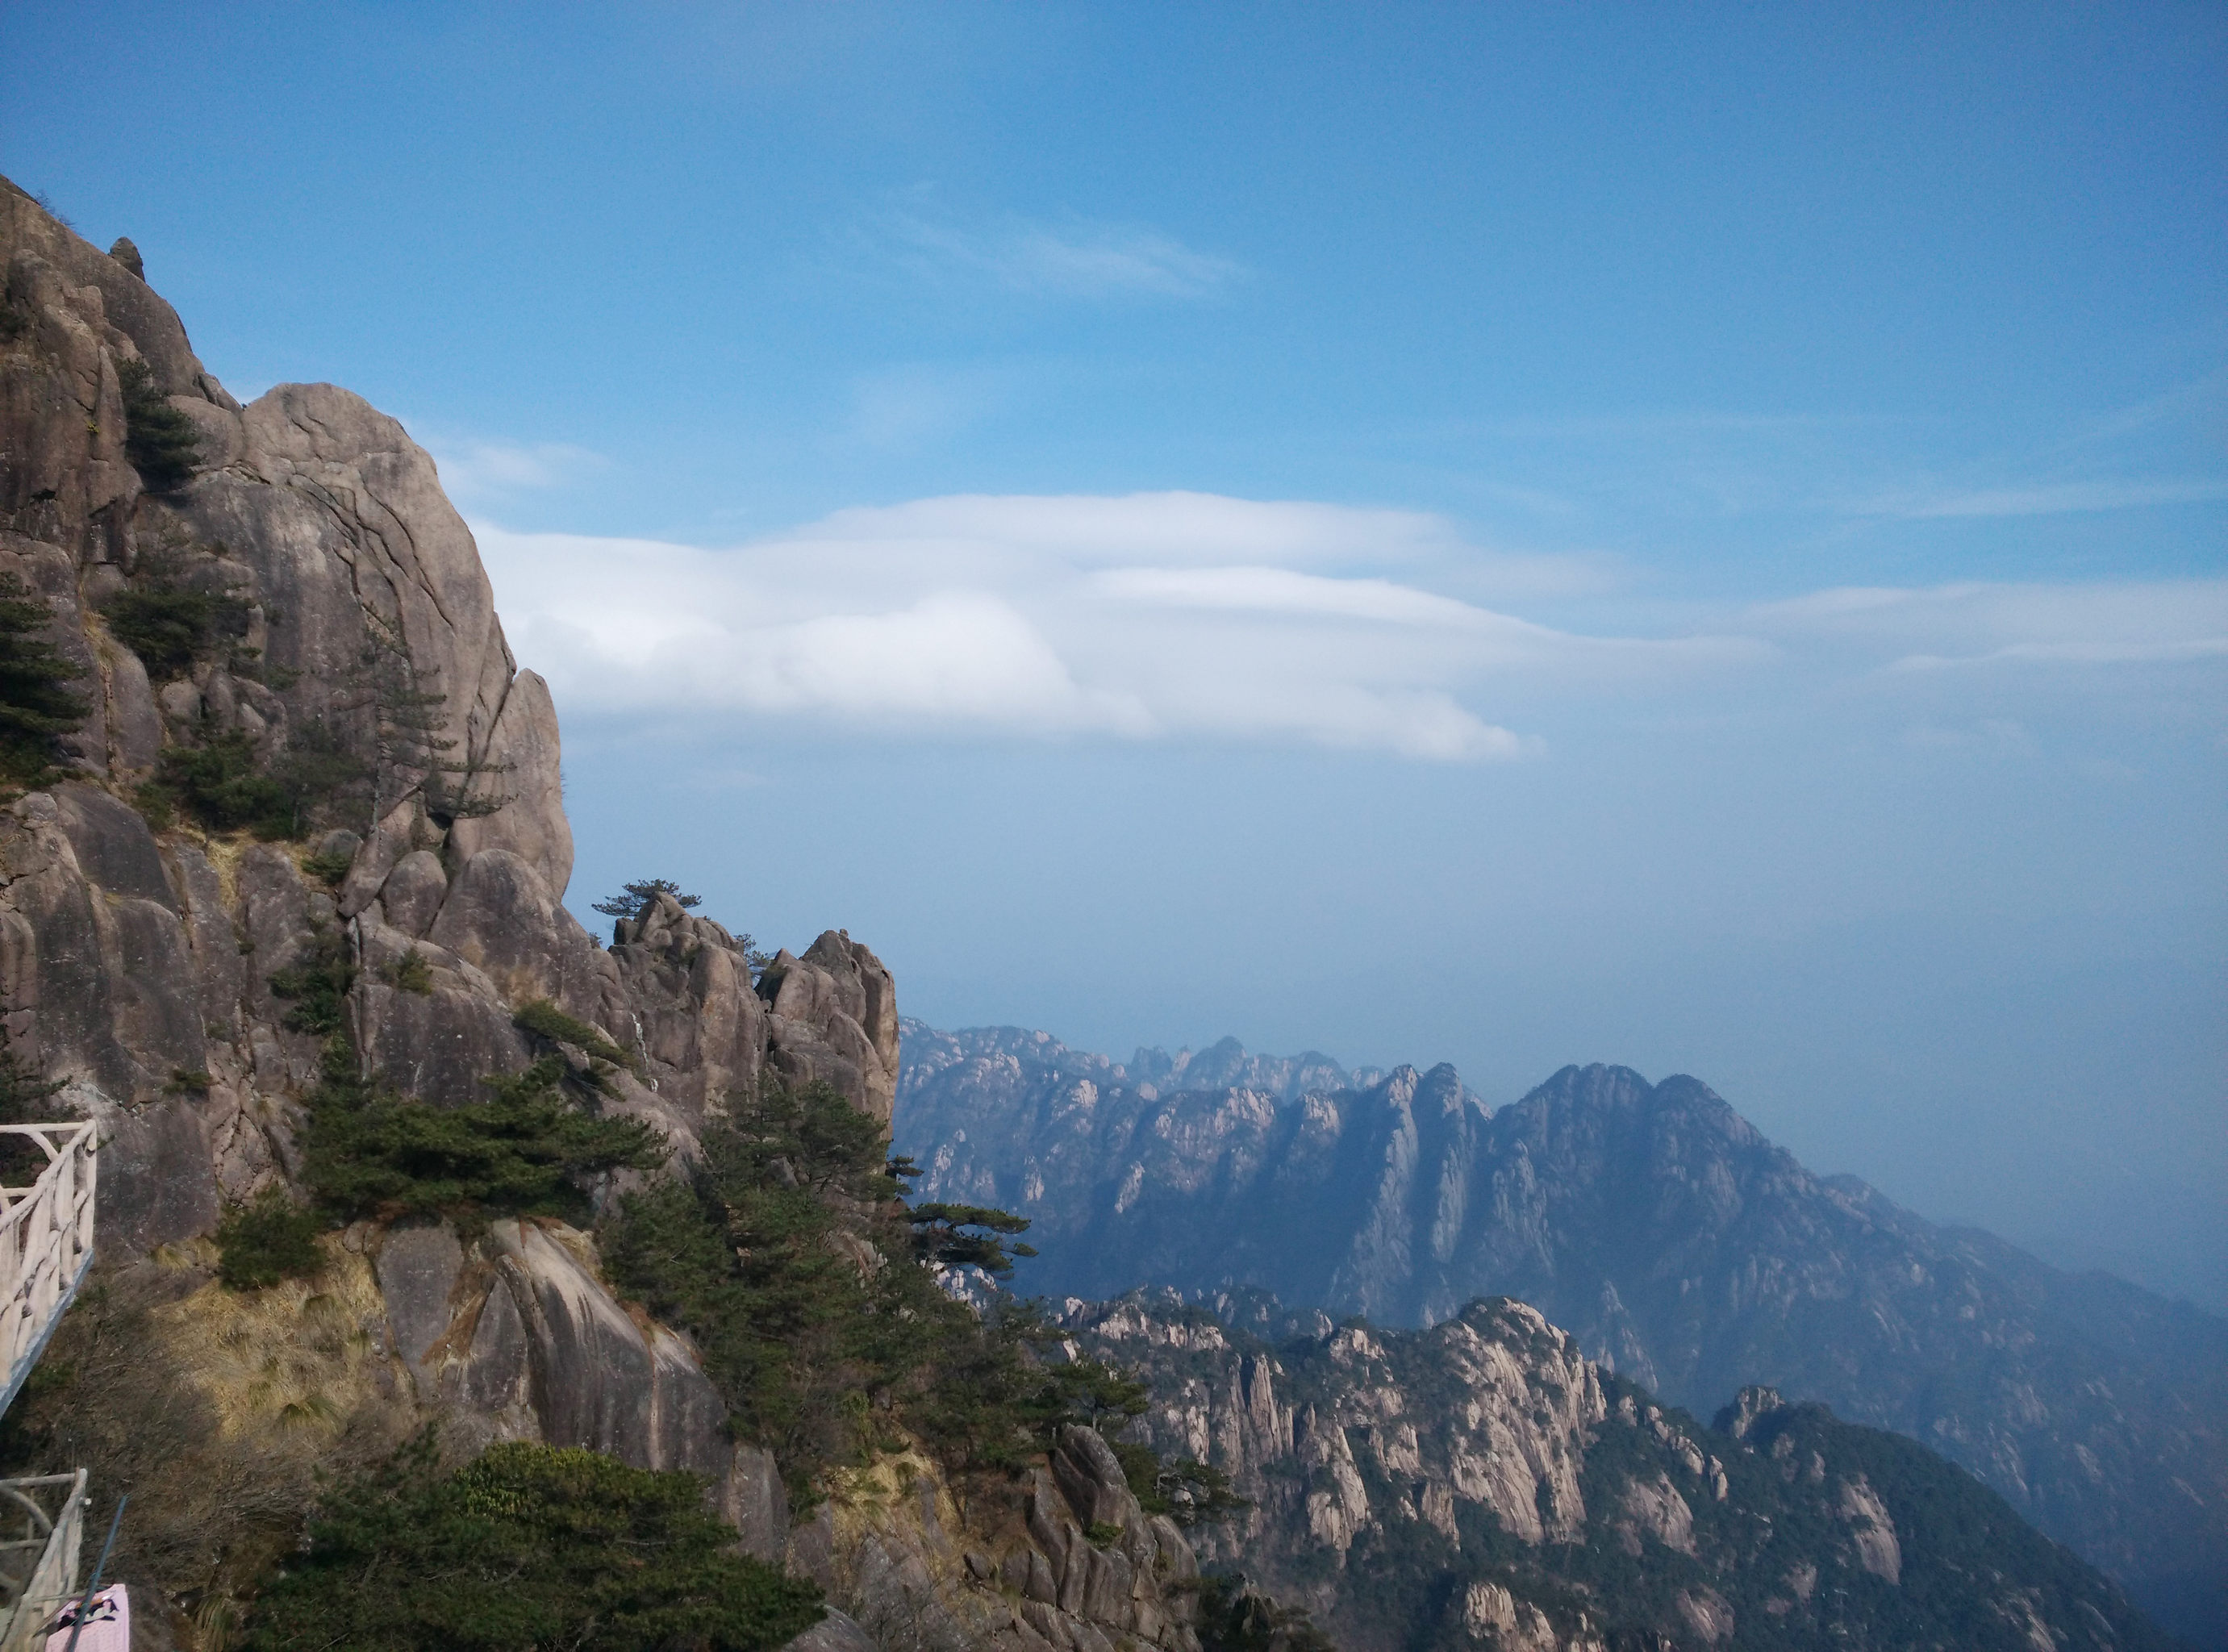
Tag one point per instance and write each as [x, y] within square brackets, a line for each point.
[273, 611]
[1679, 1246]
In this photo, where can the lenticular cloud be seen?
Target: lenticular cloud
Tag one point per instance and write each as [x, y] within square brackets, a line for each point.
[1185, 615]
[1136, 617]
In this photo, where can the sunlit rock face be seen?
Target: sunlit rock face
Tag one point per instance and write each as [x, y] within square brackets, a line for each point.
[1679, 1246]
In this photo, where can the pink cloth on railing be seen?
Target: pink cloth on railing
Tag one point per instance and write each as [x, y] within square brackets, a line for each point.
[107, 1624]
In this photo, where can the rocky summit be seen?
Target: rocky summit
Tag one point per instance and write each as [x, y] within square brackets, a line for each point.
[1683, 1250]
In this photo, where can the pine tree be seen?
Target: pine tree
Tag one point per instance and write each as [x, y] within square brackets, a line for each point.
[37, 703]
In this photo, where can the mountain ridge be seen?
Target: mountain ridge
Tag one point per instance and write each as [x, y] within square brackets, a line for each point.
[1482, 1482]
[1676, 1242]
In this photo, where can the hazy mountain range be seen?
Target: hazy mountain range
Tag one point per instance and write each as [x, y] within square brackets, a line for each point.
[1681, 1247]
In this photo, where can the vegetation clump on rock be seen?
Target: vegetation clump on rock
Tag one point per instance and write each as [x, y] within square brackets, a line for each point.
[525, 1151]
[544, 1019]
[1235, 1616]
[162, 442]
[636, 899]
[317, 985]
[819, 1301]
[225, 785]
[169, 620]
[36, 702]
[527, 1547]
[269, 1239]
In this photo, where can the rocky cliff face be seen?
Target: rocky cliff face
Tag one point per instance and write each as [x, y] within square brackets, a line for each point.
[1681, 1248]
[1483, 1483]
[136, 965]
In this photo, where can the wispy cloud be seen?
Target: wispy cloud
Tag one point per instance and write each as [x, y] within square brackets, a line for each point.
[1977, 624]
[494, 470]
[2054, 498]
[1073, 258]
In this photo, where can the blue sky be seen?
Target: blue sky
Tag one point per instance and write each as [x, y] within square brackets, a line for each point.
[1685, 536]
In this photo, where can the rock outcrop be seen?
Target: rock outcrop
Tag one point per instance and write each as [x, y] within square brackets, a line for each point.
[1482, 1482]
[1074, 1563]
[347, 637]
[1681, 1247]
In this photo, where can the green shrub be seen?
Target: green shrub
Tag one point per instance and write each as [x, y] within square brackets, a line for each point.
[271, 1240]
[523, 1152]
[1188, 1492]
[223, 784]
[162, 442]
[543, 1018]
[636, 897]
[970, 1236]
[157, 805]
[412, 973]
[317, 773]
[318, 985]
[1234, 1616]
[529, 1547]
[37, 703]
[328, 869]
[170, 623]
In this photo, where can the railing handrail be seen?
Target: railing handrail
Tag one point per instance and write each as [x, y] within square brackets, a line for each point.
[45, 1244]
[52, 1578]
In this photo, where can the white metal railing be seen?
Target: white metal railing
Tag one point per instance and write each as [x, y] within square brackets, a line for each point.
[46, 1245]
[42, 1529]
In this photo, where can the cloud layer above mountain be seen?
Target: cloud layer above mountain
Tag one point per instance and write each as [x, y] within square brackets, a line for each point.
[1192, 615]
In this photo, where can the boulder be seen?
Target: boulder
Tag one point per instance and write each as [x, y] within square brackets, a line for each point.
[412, 894]
[500, 917]
[599, 1379]
[439, 1037]
[112, 845]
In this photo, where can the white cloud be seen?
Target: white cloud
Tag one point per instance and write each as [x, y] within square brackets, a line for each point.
[481, 469]
[1077, 258]
[1152, 615]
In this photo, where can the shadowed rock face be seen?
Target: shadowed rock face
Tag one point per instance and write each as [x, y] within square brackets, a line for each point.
[1483, 1482]
[1680, 1246]
[135, 965]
